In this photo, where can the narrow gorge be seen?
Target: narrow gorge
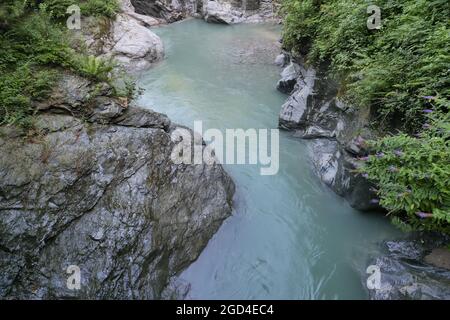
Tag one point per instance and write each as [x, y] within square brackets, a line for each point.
[91, 182]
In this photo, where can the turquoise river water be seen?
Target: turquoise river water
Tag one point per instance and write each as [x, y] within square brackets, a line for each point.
[290, 237]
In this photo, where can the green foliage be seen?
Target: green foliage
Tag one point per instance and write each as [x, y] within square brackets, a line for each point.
[125, 87]
[33, 42]
[10, 10]
[413, 175]
[38, 40]
[300, 23]
[388, 69]
[95, 68]
[397, 72]
[100, 8]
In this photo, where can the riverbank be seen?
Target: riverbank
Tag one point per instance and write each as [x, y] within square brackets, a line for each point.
[92, 207]
[348, 103]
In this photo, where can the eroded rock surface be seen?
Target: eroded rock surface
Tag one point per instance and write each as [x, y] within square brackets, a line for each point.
[94, 187]
[237, 11]
[336, 131]
[406, 273]
[215, 11]
[132, 44]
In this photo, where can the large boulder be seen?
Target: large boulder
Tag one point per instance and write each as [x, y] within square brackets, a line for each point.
[289, 76]
[294, 111]
[126, 38]
[132, 44]
[102, 195]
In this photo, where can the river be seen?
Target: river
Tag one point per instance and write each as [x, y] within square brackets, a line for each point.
[289, 237]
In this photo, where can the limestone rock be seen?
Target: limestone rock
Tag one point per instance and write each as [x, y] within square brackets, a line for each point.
[132, 44]
[406, 273]
[102, 195]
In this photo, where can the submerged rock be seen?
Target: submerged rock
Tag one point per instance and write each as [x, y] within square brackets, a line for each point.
[407, 273]
[102, 195]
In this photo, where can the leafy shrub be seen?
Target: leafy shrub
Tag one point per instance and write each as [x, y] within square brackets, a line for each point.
[95, 68]
[97, 8]
[36, 39]
[100, 8]
[413, 175]
[10, 10]
[58, 8]
[388, 69]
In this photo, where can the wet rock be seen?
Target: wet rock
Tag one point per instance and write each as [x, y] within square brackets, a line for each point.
[406, 273]
[168, 11]
[289, 77]
[294, 111]
[102, 195]
[325, 157]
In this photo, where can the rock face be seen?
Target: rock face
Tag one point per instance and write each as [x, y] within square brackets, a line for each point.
[407, 273]
[216, 11]
[94, 187]
[146, 20]
[130, 42]
[169, 11]
[336, 130]
[127, 39]
[236, 11]
[289, 77]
